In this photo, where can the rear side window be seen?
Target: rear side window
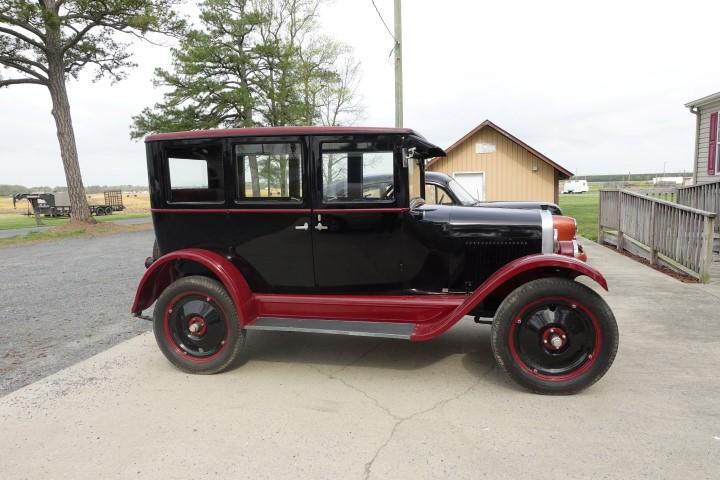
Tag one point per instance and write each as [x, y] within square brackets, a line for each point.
[268, 171]
[437, 195]
[357, 171]
[196, 174]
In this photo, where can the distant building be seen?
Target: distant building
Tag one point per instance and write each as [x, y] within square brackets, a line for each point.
[706, 165]
[668, 180]
[494, 165]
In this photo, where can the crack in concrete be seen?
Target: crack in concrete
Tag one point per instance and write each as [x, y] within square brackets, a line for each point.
[401, 420]
[360, 357]
[398, 420]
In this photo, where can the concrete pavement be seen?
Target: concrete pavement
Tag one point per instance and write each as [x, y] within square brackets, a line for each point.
[313, 406]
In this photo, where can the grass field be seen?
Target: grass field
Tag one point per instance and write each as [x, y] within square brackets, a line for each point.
[584, 208]
[9, 221]
[62, 232]
[136, 206]
[134, 203]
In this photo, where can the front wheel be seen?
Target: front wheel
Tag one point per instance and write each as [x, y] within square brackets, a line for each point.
[554, 336]
[196, 325]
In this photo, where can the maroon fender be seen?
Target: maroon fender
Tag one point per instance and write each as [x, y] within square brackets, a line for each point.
[161, 273]
[513, 274]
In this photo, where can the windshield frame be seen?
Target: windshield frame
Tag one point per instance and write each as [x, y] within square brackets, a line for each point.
[462, 195]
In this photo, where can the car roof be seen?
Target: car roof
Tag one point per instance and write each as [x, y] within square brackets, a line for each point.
[437, 177]
[278, 131]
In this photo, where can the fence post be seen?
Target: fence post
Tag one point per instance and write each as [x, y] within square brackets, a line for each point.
[706, 253]
[653, 250]
[600, 226]
[620, 222]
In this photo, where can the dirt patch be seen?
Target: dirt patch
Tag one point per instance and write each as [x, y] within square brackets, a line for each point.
[667, 271]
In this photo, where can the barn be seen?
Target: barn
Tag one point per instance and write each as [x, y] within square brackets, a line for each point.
[494, 165]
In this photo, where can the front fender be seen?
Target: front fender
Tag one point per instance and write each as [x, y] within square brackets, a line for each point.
[511, 275]
[162, 273]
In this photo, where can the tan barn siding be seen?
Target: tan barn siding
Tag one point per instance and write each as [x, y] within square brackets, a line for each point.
[508, 170]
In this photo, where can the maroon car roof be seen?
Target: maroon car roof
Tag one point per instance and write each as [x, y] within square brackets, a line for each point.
[276, 131]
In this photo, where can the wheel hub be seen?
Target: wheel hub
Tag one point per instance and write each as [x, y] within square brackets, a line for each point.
[197, 326]
[554, 338]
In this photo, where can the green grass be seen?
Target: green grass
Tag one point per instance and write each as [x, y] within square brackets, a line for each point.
[584, 208]
[10, 221]
[62, 232]
[43, 236]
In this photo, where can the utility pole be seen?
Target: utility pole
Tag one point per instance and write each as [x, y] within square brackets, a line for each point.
[398, 66]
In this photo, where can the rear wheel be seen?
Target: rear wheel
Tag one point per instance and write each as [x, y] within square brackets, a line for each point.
[554, 336]
[197, 327]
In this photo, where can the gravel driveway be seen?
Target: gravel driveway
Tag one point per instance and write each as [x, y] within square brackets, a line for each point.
[62, 302]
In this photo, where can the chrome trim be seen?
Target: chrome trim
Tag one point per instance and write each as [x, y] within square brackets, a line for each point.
[548, 242]
[335, 327]
[576, 249]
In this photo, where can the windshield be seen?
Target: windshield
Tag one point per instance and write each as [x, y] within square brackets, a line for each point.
[462, 194]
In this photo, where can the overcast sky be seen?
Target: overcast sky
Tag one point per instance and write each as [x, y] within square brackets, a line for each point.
[599, 87]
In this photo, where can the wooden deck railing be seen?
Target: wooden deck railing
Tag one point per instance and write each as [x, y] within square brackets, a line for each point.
[705, 197]
[676, 236]
[663, 193]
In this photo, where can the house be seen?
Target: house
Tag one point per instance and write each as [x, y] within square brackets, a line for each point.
[493, 165]
[706, 165]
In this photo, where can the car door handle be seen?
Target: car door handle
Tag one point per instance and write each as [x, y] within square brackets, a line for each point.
[304, 226]
[319, 225]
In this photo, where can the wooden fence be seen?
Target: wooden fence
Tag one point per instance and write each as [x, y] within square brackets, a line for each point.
[704, 197]
[663, 193]
[673, 235]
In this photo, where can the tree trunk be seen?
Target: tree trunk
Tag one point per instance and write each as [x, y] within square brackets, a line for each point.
[283, 177]
[254, 175]
[79, 209]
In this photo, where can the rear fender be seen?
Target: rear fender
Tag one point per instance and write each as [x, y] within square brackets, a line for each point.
[508, 278]
[162, 273]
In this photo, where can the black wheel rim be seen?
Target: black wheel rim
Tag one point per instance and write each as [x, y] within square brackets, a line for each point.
[556, 339]
[197, 325]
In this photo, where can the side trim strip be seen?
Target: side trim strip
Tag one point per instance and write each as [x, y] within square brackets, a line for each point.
[280, 210]
[335, 327]
[361, 210]
[231, 210]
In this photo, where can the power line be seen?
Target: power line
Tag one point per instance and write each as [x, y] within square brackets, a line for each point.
[383, 22]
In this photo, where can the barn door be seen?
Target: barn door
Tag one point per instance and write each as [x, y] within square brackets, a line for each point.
[473, 182]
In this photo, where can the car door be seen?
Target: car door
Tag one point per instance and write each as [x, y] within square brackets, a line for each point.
[357, 213]
[269, 222]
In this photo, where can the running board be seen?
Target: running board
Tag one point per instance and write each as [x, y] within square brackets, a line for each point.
[335, 327]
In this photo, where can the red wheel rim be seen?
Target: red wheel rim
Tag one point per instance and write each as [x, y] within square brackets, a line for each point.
[195, 326]
[554, 358]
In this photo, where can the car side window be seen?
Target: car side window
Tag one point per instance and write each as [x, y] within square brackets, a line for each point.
[196, 173]
[437, 195]
[268, 171]
[430, 197]
[357, 171]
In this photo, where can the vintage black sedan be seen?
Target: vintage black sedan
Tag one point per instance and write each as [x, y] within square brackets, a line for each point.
[444, 190]
[290, 229]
